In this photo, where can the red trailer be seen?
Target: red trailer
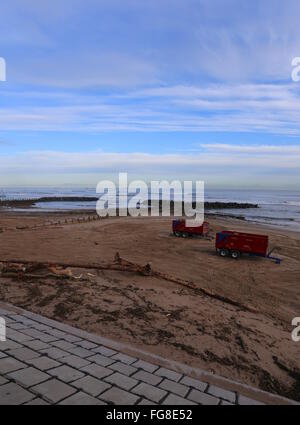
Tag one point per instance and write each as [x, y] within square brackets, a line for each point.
[235, 244]
[181, 230]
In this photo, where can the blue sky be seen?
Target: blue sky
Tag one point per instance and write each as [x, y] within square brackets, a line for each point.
[196, 89]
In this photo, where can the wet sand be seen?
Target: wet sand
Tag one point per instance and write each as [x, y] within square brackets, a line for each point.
[159, 315]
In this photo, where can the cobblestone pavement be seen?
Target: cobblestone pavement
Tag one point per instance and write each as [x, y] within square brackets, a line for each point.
[45, 362]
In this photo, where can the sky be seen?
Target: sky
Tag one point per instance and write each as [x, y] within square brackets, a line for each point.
[161, 89]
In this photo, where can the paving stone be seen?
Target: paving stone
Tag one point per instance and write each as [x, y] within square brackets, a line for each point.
[120, 397]
[146, 402]
[151, 379]
[174, 387]
[37, 402]
[40, 335]
[9, 364]
[66, 373]
[18, 317]
[80, 351]
[47, 338]
[91, 385]
[27, 321]
[54, 353]
[23, 353]
[72, 338]
[8, 319]
[41, 327]
[17, 326]
[75, 361]
[63, 345]
[81, 399]
[124, 358]
[29, 376]
[57, 333]
[170, 374]
[39, 341]
[44, 363]
[18, 336]
[245, 401]
[96, 370]
[203, 398]
[149, 392]
[53, 390]
[123, 368]
[190, 382]
[105, 351]
[29, 315]
[221, 393]
[226, 403]
[174, 400]
[101, 360]
[9, 345]
[13, 394]
[86, 344]
[3, 380]
[121, 381]
[39, 319]
[36, 344]
[148, 367]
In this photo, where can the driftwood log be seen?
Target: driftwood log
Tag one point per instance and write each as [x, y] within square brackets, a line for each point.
[20, 269]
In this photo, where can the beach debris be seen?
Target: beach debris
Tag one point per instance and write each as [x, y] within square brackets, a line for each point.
[117, 258]
[148, 268]
[23, 271]
[59, 271]
[118, 264]
[12, 267]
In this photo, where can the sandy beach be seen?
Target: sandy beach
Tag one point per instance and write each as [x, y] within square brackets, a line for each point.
[250, 343]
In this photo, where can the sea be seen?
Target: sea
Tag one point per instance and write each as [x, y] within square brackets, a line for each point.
[280, 208]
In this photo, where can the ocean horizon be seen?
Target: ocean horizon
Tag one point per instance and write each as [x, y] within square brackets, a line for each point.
[280, 208]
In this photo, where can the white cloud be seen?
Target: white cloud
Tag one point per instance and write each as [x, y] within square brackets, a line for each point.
[85, 70]
[215, 155]
[234, 108]
[285, 150]
[220, 165]
[227, 41]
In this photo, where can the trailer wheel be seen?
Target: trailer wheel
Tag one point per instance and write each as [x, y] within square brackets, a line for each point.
[235, 254]
[223, 252]
[177, 234]
[185, 235]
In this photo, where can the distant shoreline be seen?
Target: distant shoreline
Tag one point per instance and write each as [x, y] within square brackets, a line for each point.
[31, 202]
